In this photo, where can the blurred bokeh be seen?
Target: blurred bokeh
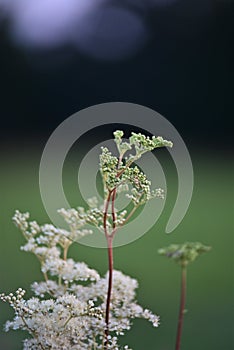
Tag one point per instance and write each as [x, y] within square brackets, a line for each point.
[174, 56]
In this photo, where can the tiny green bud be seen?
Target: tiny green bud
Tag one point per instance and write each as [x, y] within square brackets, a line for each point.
[118, 134]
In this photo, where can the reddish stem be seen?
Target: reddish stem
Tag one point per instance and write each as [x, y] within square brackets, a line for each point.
[113, 209]
[108, 300]
[105, 214]
[109, 238]
[182, 308]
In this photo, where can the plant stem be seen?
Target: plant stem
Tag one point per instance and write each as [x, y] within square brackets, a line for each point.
[110, 261]
[107, 202]
[69, 318]
[182, 308]
[45, 276]
[113, 210]
[65, 250]
[130, 215]
[31, 331]
[109, 238]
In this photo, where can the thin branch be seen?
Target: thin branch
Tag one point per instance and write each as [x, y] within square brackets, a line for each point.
[65, 251]
[130, 214]
[110, 260]
[45, 276]
[107, 202]
[31, 331]
[107, 316]
[113, 209]
[109, 238]
[182, 308]
[66, 322]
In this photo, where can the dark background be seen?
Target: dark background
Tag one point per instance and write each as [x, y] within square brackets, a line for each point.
[183, 71]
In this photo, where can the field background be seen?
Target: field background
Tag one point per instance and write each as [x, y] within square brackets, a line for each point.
[209, 321]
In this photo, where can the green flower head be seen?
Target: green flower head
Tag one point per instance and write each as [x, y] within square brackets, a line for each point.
[184, 253]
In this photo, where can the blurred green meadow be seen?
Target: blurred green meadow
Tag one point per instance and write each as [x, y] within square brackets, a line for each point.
[209, 320]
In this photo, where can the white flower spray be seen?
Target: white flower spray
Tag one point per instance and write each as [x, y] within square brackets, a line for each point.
[74, 308]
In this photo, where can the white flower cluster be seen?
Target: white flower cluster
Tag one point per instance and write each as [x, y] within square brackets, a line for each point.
[140, 142]
[61, 323]
[68, 309]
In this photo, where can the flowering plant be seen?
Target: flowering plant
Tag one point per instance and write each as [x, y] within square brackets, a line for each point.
[183, 255]
[75, 308]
